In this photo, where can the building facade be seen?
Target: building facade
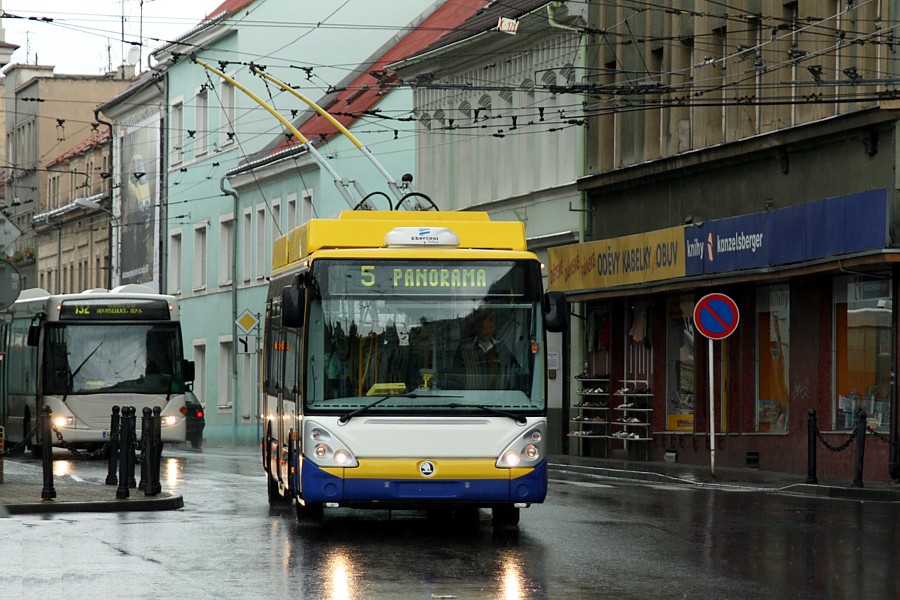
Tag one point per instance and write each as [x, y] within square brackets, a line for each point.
[47, 114]
[749, 154]
[218, 254]
[72, 232]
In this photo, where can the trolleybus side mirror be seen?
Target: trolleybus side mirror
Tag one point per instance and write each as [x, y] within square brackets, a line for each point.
[293, 297]
[556, 312]
[188, 370]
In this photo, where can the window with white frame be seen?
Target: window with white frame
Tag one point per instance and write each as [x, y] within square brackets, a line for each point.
[176, 255]
[200, 370]
[176, 132]
[247, 246]
[226, 249]
[223, 398]
[291, 212]
[199, 271]
[201, 121]
[261, 253]
[306, 211]
[276, 219]
[226, 126]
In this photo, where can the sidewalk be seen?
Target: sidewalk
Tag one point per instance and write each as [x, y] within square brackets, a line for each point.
[584, 468]
[20, 493]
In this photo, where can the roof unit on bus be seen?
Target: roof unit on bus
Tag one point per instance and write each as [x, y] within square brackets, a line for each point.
[386, 229]
[32, 293]
[132, 288]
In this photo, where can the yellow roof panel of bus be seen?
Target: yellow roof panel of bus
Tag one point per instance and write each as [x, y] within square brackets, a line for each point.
[367, 229]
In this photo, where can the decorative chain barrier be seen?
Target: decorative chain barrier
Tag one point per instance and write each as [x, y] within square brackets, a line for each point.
[839, 447]
[880, 436]
[19, 447]
[858, 434]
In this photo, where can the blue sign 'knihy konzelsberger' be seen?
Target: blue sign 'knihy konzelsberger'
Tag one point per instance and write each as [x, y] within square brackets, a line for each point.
[830, 227]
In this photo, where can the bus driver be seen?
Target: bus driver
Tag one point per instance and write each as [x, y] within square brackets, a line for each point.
[486, 361]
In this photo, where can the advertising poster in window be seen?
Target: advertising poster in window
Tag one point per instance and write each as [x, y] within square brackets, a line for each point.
[139, 210]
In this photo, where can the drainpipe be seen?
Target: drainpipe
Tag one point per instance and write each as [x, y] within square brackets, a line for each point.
[893, 450]
[112, 140]
[235, 401]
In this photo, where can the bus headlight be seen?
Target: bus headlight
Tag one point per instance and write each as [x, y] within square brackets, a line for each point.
[511, 458]
[325, 449]
[63, 421]
[525, 451]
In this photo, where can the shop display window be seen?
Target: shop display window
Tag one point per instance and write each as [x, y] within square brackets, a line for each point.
[862, 351]
[773, 351]
[680, 368]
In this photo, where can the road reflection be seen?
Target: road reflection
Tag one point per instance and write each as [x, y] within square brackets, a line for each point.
[358, 554]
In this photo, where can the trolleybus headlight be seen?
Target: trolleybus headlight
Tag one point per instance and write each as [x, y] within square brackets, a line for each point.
[63, 421]
[511, 458]
[325, 449]
[526, 450]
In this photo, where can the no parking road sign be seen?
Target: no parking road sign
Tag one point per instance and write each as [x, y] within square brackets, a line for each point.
[716, 316]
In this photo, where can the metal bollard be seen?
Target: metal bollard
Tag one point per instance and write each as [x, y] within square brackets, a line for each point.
[124, 445]
[113, 447]
[146, 442]
[132, 447]
[811, 429]
[154, 452]
[48, 492]
[860, 448]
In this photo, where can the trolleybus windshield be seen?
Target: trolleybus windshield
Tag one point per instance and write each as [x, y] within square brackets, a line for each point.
[89, 358]
[433, 337]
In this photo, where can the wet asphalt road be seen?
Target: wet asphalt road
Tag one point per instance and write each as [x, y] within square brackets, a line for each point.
[594, 539]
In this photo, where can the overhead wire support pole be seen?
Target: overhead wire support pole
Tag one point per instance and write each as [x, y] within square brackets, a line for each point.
[338, 181]
[392, 184]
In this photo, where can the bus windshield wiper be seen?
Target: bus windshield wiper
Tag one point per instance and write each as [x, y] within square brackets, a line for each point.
[362, 409]
[75, 372]
[519, 419]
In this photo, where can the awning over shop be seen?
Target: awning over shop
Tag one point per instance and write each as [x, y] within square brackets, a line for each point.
[833, 227]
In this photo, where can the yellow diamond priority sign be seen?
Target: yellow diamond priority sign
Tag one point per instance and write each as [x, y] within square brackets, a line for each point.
[247, 321]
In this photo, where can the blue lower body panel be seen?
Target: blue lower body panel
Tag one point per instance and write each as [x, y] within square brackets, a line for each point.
[317, 485]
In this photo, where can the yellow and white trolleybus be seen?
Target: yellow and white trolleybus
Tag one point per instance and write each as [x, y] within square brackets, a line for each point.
[81, 354]
[404, 365]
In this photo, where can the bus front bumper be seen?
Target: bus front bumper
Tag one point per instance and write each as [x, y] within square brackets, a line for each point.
[487, 485]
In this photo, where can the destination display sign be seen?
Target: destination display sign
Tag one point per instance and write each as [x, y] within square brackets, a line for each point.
[125, 309]
[424, 278]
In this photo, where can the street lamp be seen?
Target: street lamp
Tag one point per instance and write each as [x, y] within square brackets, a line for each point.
[94, 205]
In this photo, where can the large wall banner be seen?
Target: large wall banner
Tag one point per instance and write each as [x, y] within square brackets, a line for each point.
[140, 210]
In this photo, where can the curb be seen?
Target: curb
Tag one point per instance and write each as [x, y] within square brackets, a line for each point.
[171, 502]
[578, 472]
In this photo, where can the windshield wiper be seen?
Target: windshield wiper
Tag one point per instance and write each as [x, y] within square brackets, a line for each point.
[519, 419]
[72, 375]
[362, 409]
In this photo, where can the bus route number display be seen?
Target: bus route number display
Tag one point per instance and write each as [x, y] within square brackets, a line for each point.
[113, 310]
[420, 279]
